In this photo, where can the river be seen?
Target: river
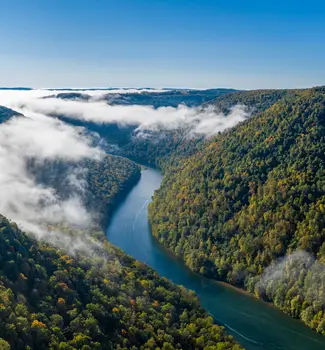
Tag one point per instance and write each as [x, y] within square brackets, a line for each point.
[253, 323]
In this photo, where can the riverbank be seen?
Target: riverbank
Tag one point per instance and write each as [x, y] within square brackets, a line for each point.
[253, 323]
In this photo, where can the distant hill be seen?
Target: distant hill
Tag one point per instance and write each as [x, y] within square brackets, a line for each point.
[7, 113]
[157, 146]
[15, 88]
[172, 98]
[74, 96]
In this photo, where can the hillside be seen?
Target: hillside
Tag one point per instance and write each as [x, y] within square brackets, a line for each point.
[252, 195]
[100, 183]
[49, 300]
[169, 97]
[156, 145]
[169, 146]
[257, 100]
[7, 113]
[90, 295]
[188, 97]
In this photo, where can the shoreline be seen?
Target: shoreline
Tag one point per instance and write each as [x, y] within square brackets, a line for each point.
[213, 294]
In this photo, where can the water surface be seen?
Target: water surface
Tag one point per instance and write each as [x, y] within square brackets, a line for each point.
[253, 323]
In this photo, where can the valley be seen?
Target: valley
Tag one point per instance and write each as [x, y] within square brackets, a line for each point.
[254, 324]
[204, 222]
[162, 175]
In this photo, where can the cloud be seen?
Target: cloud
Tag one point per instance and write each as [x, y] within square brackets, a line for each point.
[37, 140]
[209, 122]
[198, 121]
[38, 208]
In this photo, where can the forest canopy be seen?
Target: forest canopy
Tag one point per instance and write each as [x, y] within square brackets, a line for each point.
[252, 195]
[55, 301]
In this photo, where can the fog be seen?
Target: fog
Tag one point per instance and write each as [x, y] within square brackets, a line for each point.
[40, 138]
[299, 271]
[34, 207]
[197, 120]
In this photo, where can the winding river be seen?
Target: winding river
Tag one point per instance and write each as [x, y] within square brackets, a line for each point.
[253, 323]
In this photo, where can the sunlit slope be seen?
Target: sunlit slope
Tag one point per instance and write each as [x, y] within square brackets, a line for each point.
[256, 100]
[51, 300]
[254, 194]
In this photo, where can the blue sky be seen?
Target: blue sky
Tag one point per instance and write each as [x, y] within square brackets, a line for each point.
[162, 43]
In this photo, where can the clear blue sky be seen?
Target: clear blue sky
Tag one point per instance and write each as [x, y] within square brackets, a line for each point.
[181, 43]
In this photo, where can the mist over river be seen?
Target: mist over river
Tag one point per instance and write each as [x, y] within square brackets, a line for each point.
[253, 323]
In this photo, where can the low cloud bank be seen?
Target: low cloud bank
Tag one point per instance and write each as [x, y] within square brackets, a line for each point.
[198, 121]
[39, 139]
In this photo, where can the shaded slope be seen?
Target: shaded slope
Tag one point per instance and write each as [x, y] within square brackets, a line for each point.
[101, 184]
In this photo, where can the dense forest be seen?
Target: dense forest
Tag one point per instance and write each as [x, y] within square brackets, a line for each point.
[160, 147]
[163, 147]
[49, 300]
[245, 207]
[256, 100]
[97, 297]
[100, 183]
[108, 181]
[251, 195]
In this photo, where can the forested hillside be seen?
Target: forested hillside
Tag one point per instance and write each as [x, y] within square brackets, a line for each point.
[169, 97]
[97, 297]
[167, 146]
[256, 100]
[100, 183]
[108, 181]
[151, 150]
[254, 194]
[49, 300]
